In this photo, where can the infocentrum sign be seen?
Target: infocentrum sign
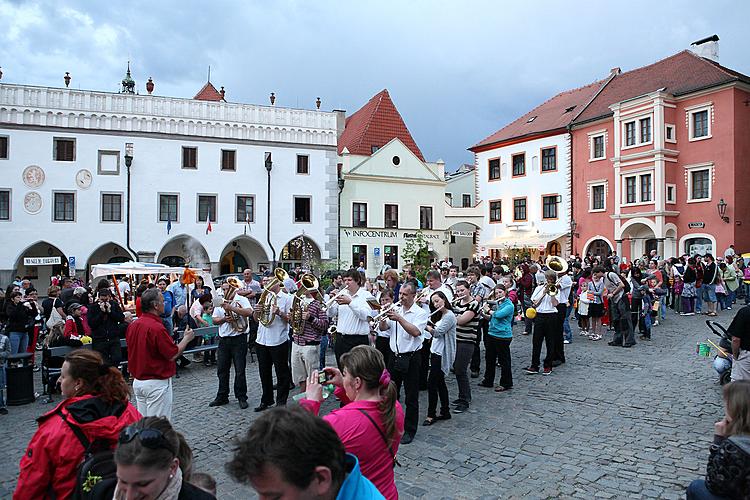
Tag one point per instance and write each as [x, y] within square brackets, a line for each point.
[41, 261]
[385, 233]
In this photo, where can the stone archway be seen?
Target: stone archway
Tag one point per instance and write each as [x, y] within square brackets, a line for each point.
[599, 247]
[184, 250]
[300, 251]
[641, 238]
[242, 253]
[39, 262]
[109, 253]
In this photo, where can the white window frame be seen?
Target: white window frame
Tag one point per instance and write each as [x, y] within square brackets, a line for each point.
[689, 171]
[237, 206]
[10, 205]
[650, 129]
[75, 207]
[673, 200]
[690, 113]
[367, 213]
[639, 200]
[158, 206]
[294, 208]
[198, 207]
[667, 128]
[592, 149]
[650, 190]
[636, 120]
[603, 184]
[101, 207]
[398, 213]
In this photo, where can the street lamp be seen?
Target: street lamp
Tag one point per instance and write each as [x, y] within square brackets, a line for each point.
[573, 226]
[722, 207]
[128, 154]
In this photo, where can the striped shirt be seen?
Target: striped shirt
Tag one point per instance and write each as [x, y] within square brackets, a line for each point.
[313, 327]
[467, 332]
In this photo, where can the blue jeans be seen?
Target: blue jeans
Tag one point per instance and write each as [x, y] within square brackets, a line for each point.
[19, 342]
[708, 292]
[729, 300]
[699, 299]
[698, 491]
[323, 349]
[663, 307]
[567, 332]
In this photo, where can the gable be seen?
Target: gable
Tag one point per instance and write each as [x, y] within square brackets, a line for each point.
[409, 166]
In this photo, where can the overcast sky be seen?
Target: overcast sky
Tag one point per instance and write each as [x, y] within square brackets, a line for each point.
[457, 71]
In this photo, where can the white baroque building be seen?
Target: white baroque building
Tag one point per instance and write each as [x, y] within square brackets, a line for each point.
[94, 177]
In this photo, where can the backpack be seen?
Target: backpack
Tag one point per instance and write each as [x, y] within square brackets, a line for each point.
[625, 284]
[98, 462]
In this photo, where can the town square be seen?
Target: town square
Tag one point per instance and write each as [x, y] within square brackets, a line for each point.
[374, 250]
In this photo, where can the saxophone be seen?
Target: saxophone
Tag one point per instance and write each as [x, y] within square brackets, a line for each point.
[238, 322]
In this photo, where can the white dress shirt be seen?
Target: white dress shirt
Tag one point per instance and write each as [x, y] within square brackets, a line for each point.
[225, 329]
[564, 285]
[353, 317]
[278, 331]
[545, 305]
[401, 341]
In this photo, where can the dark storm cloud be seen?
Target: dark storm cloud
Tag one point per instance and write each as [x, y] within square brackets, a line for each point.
[456, 70]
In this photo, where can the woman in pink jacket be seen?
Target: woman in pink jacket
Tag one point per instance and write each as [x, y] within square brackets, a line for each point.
[371, 421]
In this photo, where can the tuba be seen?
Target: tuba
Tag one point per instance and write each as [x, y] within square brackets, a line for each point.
[238, 322]
[268, 298]
[557, 264]
[308, 283]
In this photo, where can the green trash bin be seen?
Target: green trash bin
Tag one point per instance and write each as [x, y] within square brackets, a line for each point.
[19, 379]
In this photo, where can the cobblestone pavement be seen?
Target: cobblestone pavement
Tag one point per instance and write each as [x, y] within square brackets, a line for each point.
[611, 423]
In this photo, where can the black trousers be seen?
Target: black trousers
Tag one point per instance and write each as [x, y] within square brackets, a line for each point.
[497, 349]
[410, 381]
[383, 344]
[562, 310]
[345, 343]
[424, 367]
[436, 387]
[619, 314]
[110, 350]
[277, 357]
[544, 332]
[476, 358]
[232, 351]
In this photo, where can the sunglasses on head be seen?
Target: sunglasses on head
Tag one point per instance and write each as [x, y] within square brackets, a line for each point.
[150, 438]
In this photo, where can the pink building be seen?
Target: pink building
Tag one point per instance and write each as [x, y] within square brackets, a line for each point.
[660, 158]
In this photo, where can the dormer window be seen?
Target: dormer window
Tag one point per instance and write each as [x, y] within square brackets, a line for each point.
[568, 110]
[531, 119]
[374, 149]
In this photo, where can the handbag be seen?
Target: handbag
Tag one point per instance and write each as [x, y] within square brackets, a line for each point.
[54, 319]
[400, 362]
[720, 289]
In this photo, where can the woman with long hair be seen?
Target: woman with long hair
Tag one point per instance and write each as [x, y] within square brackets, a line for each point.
[442, 326]
[199, 289]
[96, 403]
[371, 421]
[153, 462]
[19, 315]
[728, 470]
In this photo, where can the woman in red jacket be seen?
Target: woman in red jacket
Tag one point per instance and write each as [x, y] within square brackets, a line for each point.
[97, 402]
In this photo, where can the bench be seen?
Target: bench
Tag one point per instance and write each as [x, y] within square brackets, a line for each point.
[60, 352]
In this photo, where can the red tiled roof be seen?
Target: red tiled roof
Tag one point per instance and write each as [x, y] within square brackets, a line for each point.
[554, 114]
[679, 74]
[375, 124]
[208, 93]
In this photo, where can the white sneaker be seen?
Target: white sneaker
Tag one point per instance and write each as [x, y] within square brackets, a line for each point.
[566, 341]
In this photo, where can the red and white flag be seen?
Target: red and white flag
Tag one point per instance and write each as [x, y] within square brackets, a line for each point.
[208, 228]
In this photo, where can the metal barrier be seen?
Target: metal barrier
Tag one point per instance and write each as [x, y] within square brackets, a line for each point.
[60, 352]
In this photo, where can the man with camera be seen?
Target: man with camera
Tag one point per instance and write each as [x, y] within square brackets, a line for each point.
[105, 319]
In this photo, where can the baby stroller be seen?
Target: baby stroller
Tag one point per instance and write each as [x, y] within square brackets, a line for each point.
[722, 365]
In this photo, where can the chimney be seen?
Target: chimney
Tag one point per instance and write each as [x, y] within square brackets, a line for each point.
[223, 93]
[615, 71]
[707, 47]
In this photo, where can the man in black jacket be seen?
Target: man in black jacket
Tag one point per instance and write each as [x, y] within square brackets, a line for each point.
[105, 318]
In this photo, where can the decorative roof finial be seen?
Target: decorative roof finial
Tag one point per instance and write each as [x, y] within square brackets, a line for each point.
[67, 79]
[1, 72]
[222, 93]
[150, 85]
[128, 84]
[317, 103]
[273, 98]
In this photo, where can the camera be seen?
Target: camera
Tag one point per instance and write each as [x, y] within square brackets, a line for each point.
[322, 377]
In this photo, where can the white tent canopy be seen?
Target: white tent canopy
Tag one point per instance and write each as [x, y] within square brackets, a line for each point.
[141, 268]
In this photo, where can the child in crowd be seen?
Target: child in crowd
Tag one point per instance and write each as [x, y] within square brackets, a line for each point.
[209, 357]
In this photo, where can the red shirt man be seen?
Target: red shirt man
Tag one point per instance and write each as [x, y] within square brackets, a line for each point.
[151, 357]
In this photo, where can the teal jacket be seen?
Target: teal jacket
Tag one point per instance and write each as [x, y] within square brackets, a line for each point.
[500, 320]
[356, 486]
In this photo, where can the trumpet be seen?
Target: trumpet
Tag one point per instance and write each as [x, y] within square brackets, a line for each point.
[330, 301]
[384, 312]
